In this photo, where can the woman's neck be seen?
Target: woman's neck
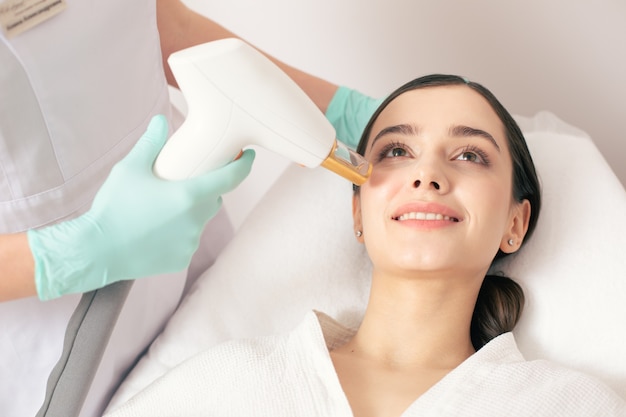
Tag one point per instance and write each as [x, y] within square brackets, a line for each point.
[417, 322]
[414, 332]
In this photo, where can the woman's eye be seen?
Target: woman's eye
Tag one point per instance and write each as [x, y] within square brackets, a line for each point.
[474, 155]
[469, 156]
[395, 152]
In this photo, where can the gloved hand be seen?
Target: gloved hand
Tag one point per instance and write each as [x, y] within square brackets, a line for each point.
[138, 225]
[348, 112]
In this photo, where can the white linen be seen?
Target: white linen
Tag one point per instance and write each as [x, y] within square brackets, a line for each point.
[293, 375]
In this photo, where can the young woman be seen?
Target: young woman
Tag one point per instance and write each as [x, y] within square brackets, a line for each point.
[452, 188]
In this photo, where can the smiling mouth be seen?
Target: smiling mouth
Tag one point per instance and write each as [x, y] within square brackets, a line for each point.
[425, 216]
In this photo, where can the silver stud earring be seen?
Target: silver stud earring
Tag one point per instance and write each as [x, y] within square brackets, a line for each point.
[511, 241]
[358, 233]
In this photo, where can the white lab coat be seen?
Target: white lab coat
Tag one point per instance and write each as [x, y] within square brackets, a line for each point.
[76, 92]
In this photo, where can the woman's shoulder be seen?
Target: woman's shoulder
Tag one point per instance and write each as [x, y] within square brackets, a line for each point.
[307, 339]
[549, 382]
[232, 375]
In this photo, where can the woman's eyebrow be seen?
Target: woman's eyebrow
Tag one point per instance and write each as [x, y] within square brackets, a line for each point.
[456, 130]
[465, 131]
[402, 129]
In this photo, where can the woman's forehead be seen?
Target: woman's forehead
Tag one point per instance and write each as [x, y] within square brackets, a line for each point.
[442, 106]
[448, 102]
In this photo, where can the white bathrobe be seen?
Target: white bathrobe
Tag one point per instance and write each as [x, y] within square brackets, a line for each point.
[293, 375]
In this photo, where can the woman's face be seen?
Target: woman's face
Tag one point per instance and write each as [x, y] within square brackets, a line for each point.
[440, 194]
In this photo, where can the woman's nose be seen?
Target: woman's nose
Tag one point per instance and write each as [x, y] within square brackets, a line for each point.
[430, 175]
[433, 184]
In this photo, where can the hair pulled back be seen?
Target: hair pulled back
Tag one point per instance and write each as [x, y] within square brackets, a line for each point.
[500, 301]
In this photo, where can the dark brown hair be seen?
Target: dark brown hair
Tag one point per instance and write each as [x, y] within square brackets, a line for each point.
[500, 300]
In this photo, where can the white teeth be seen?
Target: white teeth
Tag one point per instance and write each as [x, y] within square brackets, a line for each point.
[423, 216]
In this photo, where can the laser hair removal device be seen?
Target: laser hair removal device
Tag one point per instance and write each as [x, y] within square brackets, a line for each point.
[237, 97]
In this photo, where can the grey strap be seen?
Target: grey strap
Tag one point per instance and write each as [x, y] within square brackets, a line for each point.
[86, 338]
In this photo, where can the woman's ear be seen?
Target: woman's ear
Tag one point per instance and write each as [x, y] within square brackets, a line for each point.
[518, 225]
[356, 217]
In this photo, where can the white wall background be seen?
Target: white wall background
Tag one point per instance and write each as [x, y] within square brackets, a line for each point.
[565, 56]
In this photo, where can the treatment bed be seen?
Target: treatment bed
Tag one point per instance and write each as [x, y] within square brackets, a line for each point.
[294, 251]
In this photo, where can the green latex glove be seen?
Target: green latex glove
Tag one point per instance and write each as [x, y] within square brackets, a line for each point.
[138, 225]
[348, 112]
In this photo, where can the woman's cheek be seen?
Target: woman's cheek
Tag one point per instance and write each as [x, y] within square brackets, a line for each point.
[376, 196]
[385, 180]
[376, 179]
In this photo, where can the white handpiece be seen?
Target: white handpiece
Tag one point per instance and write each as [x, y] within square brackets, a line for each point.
[237, 97]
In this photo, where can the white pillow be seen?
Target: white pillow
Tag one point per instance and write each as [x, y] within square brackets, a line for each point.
[296, 251]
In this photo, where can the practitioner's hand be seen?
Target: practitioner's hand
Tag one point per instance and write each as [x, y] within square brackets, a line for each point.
[138, 225]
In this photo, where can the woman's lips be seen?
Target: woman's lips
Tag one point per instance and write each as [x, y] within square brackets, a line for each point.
[426, 212]
[420, 215]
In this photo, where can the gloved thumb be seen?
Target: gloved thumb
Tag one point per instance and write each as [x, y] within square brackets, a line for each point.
[151, 142]
[227, 178]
